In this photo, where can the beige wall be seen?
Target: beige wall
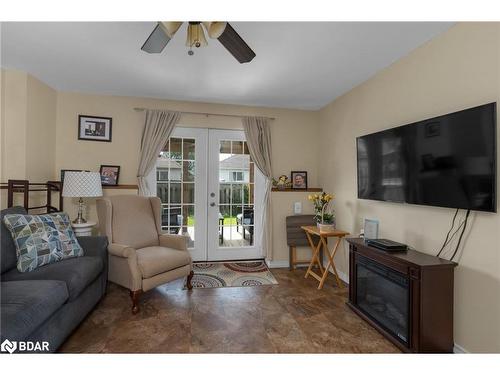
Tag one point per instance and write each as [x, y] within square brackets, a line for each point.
[456, 70]
[28, 130]
[14, 106]
[40, 131]
[294, 137]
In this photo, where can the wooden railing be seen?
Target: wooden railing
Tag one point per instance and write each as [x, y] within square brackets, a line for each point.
[25, 187]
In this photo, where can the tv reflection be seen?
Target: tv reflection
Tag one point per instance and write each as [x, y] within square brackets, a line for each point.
[382, 169]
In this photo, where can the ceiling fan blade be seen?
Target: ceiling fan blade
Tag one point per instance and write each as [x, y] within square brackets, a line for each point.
[236, 45]
[156, 41]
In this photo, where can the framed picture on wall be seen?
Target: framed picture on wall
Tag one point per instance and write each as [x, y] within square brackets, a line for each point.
[110, 174]
[299, 180]
[91, 128]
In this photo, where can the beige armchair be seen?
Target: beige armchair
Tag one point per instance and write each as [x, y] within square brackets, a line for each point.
[140, 256]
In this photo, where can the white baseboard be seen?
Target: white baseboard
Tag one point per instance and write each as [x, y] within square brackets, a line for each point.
[284, 264]
[277, 263]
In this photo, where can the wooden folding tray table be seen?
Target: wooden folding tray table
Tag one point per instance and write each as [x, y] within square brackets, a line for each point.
[323, 236]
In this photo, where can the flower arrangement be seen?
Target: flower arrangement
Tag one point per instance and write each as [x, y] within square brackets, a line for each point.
[324, 215]
[282, 182]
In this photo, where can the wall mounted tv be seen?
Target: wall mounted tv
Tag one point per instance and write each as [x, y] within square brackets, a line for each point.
[446, 161]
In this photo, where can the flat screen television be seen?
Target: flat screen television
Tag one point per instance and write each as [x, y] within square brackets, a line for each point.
[445, 161]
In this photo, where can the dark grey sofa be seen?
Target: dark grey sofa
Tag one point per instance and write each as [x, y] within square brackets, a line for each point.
[47, 304]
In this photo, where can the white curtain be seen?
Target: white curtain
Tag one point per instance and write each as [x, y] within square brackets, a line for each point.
[258, 135]
[157, 129]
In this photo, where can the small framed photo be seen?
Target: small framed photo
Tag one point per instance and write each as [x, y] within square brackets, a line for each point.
[63, 171]
[91, 128]
[109, 174]
[299, 179]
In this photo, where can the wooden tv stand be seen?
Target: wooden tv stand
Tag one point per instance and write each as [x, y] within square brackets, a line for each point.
[430, 295]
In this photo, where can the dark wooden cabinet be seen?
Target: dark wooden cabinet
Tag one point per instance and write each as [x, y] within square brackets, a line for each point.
[429, 283]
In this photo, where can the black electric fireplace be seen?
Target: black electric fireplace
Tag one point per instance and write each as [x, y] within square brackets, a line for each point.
[383, 294]
[407, 296]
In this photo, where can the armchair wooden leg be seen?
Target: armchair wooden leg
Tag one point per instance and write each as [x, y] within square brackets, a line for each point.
[188, 281]
[134, 294]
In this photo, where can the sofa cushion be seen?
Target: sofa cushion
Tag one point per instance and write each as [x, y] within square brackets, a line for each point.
[154, 260]
[42, 239]
[77, 273]
[8, 257]
[26, 304]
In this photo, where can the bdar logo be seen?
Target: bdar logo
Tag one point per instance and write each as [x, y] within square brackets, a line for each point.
[8, 346]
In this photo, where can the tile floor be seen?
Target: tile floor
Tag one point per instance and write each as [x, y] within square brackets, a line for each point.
[292, 317]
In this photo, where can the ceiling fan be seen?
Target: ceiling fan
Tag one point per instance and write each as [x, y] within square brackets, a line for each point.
[222, 31]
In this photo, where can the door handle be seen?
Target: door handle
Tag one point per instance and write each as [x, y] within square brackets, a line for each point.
[212, 204]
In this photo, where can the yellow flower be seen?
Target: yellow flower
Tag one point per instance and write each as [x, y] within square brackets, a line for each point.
[310, 197]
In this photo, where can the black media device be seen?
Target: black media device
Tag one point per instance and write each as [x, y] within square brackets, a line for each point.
[386, 245]
[445, 161]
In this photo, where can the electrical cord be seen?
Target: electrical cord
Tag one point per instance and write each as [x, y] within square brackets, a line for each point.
[461, 235]
[454, 233]
[448, 234]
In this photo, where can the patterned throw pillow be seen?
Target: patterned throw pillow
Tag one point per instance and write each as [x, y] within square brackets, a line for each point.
[42, 239]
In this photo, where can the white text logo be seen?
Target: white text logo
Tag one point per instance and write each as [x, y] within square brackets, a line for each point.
[24, 346]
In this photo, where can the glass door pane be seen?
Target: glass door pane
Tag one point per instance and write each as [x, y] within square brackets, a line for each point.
[235, 196]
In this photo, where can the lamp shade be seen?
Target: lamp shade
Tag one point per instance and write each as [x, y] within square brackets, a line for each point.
[82, 184]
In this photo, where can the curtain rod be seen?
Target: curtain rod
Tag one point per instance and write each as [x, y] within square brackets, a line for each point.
[140, 109]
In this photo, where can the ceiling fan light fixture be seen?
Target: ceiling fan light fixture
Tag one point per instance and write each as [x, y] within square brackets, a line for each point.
[195, 35]
[215, 29]
[170, 28]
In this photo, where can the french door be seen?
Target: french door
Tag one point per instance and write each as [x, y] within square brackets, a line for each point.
[212, 193]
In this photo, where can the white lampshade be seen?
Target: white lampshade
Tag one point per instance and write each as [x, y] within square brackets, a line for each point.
[82, 184]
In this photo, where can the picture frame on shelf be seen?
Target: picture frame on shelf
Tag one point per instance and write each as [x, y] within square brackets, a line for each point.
[63, 171]
[109, 174]
[93, 128]
[299, 180]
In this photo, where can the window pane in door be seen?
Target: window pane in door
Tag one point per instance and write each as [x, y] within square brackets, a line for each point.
[235, 194]
[188, 146]
[188, 171]
[225, 194]
[188, 193]
[225, 147]
[175, 151]
[162, 191]
[237, 147]
[175, 192]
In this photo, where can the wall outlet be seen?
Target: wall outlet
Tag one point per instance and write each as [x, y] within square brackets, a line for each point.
[297, 208]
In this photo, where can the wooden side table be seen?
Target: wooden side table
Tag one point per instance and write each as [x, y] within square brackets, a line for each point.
[323, 236]
[83, 229]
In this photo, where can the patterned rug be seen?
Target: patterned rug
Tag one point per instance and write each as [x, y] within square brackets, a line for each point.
[219, 275]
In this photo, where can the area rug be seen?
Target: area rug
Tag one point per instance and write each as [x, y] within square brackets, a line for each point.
[233, 274]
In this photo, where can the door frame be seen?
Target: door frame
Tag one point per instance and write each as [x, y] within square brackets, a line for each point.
[206, 244]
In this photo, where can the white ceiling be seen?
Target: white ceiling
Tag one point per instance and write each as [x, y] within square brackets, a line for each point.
[298, 64]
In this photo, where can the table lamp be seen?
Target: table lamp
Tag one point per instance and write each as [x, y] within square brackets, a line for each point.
[81, 185]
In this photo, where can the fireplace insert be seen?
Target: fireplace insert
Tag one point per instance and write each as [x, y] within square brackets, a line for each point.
[383, 294]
